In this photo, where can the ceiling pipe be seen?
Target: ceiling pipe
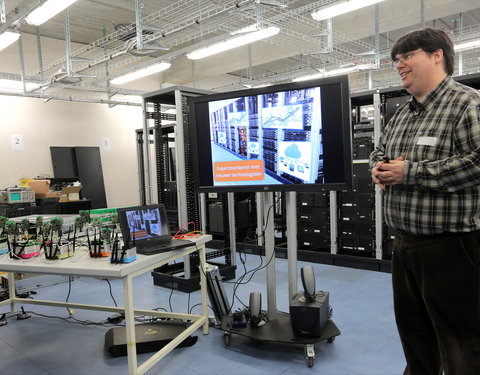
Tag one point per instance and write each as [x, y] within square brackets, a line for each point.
[148, 39]
[72, 99]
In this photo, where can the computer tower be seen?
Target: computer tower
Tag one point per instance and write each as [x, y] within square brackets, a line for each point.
[309, 319]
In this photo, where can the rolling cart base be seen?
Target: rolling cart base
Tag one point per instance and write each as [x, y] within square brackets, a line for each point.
[279, 330]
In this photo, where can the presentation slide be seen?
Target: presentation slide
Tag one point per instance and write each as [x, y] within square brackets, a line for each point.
[274, 138]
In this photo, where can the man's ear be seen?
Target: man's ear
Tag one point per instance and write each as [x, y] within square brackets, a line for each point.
[438, 55]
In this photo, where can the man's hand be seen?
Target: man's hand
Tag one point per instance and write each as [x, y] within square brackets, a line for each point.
[375, 176]
[391, 173]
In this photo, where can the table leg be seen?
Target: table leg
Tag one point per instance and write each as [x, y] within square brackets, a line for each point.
[203, 287]
[11, 290]
[130, 325]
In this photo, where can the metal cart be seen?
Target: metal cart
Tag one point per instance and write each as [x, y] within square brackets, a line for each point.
[279, 330]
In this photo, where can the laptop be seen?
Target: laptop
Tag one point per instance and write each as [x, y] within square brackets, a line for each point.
[147, 229]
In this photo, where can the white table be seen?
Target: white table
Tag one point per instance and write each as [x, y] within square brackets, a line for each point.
[82, 265]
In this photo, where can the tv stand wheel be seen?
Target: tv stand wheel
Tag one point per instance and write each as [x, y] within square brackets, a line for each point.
[310, 361]
[310, 354]
[331, 339]
[227, 339]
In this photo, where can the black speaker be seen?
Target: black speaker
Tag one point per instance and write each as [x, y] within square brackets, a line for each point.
[255, 308]
[309, 319]
[308, 282]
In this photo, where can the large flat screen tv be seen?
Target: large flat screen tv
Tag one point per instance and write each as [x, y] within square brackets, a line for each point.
[290, 137]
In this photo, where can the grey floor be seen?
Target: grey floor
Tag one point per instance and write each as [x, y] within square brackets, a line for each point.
[362, 310]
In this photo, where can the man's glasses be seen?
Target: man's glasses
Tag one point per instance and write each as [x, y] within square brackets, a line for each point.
[404, 57]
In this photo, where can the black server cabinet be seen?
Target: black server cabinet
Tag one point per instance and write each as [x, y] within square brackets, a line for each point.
[85, 164]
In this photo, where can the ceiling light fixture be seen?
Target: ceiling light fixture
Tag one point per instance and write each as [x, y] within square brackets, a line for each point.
[342, 7]
[471, 44]
[13, 86]
[246, 29]
[335, 72]
[7, 38]
[152, 69]
[231, 43]
[248, 86]
[47, 10]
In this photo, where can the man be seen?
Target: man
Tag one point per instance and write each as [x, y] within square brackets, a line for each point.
[428, 165]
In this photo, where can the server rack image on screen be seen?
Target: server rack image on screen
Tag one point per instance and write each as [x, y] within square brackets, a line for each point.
[277, 131]
[276, 138]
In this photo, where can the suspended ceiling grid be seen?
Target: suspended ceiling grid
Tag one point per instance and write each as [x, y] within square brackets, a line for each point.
[177, 27]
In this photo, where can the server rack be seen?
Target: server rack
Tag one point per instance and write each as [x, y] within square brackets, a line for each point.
[314, 221]
[166, 176]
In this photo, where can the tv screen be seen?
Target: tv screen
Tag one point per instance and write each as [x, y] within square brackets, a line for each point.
[295, 136]
[144, 225]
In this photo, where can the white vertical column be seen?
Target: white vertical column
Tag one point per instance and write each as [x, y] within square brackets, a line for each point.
[130, 324]
[333, 222]
[203, 212]
[377, 128]
[138, 24]
[146, 155]
[203, 286]
[292, 245]
[259, 202]
[231, 226]
[11, 289]
[270, 255]
[180, 173]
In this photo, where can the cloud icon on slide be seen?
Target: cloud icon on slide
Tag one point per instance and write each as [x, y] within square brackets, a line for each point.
[293, 152]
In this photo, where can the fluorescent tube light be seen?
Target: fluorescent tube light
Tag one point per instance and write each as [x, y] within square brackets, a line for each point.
[47, 10]
[10, 85]
[246, 29]
[7, 38]
[152, 69]
[309, 77]
[231, 43]
[471, 44]
[249, 86]
[350, 69]
[338, 8]
[335, 72]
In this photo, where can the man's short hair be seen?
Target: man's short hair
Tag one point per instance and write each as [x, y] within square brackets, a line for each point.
[429, 40]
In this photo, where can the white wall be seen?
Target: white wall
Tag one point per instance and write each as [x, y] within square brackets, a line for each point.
[62, 123]
[59, 123]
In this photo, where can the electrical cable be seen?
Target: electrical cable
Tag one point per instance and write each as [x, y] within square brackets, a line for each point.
[193, 234]
[171, 291]
[253, 271]
[111, 294]
[69, 288]
[73, 320]
[199, 304]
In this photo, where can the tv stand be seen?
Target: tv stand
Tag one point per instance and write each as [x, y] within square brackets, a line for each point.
[278, 328]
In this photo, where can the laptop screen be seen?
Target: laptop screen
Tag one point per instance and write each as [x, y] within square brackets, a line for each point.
[144, 225]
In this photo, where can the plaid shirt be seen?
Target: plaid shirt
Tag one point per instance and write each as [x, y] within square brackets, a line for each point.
[439, 140]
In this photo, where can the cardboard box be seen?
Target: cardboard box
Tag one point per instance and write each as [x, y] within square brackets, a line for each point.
[70, 193]
[39, 186]
[25, 181]
[50, 194]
